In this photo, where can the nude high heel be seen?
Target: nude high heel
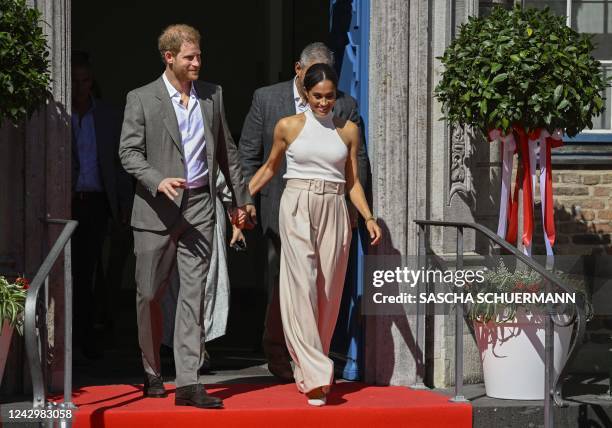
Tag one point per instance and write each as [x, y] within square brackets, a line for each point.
[317, 397]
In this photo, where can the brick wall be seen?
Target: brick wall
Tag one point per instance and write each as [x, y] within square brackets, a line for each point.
[583, 210]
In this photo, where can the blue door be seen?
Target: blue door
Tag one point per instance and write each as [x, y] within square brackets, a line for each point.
[349, 35]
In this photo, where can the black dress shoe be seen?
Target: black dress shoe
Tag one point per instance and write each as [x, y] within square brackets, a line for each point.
[195, 395]
[154, 386]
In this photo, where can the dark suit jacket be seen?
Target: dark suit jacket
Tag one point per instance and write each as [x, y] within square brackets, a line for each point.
[270, 104]
[118, 185]
[151, 150]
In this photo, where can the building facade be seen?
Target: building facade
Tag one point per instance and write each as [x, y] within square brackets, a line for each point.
[420, 167]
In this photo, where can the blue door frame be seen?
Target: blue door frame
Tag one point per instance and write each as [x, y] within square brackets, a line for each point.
[349, 38]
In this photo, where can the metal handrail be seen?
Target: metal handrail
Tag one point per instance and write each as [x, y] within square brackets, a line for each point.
[30, 326]
[553, 393]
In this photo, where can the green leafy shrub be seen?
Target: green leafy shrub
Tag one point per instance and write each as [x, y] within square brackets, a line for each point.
[24, 65]
[521, 67]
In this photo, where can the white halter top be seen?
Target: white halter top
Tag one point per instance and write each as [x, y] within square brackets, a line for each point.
[318, 151]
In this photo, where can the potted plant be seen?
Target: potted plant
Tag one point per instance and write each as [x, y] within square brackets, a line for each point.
[524, 77]
[12, 301]
[510, 337]
[24, 64]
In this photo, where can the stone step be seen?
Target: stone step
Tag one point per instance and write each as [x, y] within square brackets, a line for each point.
[588, 405]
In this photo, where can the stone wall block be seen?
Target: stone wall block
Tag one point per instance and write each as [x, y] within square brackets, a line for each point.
[571, 191]
[591, 179]
[602, 191]
[570, 178]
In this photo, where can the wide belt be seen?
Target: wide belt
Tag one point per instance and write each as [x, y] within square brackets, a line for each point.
[316, 185]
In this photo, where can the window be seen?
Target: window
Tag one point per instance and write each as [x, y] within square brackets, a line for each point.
[591, 17]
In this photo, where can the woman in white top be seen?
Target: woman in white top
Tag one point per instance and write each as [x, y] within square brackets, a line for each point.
[321, 153]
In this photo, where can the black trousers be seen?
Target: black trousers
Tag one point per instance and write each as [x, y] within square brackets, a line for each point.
[273, 342]
[92, 211]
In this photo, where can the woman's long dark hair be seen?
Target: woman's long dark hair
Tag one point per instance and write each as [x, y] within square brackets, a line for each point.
[317, 73]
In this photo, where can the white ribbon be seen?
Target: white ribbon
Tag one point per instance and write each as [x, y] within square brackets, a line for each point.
[508, 148]
[537, 155]
[534, 150]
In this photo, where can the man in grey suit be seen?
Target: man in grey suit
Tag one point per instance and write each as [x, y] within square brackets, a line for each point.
[270, 104]
[174, 138]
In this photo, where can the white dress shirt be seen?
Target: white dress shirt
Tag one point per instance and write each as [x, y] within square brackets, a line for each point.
[300, 105]
[191, 128]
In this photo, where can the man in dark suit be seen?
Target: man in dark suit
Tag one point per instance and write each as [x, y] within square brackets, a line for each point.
[102, 192]
[270, 104]
[174, 138]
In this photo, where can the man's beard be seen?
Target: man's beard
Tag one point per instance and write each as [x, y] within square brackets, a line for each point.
[192, 75]
[185, 75]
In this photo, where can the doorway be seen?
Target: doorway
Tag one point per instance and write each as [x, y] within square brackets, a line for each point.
[245, 45]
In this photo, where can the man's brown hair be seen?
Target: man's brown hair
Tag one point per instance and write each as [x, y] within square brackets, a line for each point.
[174, 36]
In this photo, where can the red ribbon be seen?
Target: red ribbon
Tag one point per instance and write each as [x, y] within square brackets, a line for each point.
[527, 189]
[523, 149]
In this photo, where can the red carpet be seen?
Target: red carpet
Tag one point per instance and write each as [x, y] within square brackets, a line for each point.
[349, 405]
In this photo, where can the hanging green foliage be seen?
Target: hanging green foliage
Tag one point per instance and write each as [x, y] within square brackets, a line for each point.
[12, 301]
[24, 64]
[521, 67]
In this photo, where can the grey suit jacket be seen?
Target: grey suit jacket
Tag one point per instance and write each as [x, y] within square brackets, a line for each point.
[270, 104]
[151, 150]
[118, 185]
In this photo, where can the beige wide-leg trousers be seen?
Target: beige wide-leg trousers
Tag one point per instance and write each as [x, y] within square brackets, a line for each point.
[315, 237]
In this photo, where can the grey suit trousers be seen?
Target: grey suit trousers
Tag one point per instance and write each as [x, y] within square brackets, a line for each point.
[189, 244]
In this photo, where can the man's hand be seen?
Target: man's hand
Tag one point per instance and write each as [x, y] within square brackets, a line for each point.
[244, 217]
[168, 185]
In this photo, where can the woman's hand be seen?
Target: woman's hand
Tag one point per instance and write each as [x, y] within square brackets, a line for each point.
[375, 231]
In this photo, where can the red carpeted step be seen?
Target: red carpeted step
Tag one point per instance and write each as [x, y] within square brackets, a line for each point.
[350, 404]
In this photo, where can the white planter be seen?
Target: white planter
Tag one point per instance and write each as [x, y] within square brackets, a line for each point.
[512, 355]
[5, 343]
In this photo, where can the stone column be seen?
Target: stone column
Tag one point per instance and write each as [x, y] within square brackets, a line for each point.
[48, 172]
[421, 169]
[398, 139]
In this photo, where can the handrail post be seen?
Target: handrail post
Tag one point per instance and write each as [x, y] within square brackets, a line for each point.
[459, 397]
[420, 315]
[43, 343]
[68, 325]
[549, 349]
